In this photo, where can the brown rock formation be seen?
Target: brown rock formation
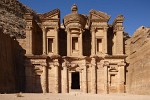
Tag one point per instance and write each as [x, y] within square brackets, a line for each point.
[11, 17]
[11, 65]
[138, 51]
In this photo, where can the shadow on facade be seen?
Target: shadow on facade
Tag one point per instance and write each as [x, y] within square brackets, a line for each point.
[12, 70]
[62, 42]
[86, 40]
[110, 44]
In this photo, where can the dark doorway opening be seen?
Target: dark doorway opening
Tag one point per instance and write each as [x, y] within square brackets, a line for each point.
[75, 82]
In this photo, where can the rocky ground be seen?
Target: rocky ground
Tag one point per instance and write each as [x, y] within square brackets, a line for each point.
[73, 96]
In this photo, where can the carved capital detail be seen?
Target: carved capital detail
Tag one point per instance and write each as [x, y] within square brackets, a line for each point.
[106, 64]
[38, 70]
[93, 29]
[29, 28]
[55, 62]
[120, 64]
[93, 62]
[118, 28]
[105, 28]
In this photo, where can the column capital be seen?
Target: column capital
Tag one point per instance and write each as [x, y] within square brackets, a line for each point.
[118, 28]
[44, 28]
[93, 61]
[29, 28]
[106, 28]
[65, 64]
[44, 64]
[67, 30]
[56, 63]
[93, 29]
[56, 29]
[106, 64]
[121, 64]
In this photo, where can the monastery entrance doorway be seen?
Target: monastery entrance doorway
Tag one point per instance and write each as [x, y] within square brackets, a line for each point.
[75, 80]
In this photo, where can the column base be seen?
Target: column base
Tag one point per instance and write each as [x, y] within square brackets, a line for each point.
[121, 88]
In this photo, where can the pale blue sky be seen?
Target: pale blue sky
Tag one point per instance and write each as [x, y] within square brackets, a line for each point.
[136, 12]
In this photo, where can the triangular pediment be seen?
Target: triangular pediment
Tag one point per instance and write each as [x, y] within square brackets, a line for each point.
[99, 16]
[54, 14]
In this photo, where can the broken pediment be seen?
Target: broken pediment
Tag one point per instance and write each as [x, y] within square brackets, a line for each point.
[99, 16]
[54, 14]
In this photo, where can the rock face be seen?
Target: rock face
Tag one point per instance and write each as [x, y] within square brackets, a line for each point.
[11, 17]
[138, 51]
[11, 65]
[13, 23]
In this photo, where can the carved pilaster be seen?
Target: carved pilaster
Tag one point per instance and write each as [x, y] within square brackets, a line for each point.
[65, 87]
[80, 44]
[68, 43]
[44, 40]
[56, 40]
[93, 76]
[106, 64]
[105, 40]
[29, 35]
[121, 77]
[93, 51]
[118, 31]
[84, 77]
[56, 66]
[44, 65]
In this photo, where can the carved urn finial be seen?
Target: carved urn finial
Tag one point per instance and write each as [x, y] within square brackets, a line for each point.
[74, 8]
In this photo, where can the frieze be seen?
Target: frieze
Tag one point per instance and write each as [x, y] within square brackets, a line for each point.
[38, 62]
[99, 23]
[50, 24]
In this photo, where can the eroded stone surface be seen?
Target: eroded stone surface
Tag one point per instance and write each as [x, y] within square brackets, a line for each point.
[86, 54]
[84, 50]
[138, 50]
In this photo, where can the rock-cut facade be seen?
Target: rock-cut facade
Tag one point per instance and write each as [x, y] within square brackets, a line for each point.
[84, 53]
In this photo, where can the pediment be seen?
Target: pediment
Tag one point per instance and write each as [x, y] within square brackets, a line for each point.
[99, 16]
[54, 14]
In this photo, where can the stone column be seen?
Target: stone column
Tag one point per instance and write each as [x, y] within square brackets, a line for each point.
[80, 44]
[29, 33]
[29, 36]
[93, 76]
[65, 79]
[56, 41]
[93, 44]
[70, 81]
[119, 40]
[44, 41]
[121, 77]
[106, 64]
[105, 40]
[68, 43]
[44, 78]
[118, 30]
[56, 66]
[84, 78]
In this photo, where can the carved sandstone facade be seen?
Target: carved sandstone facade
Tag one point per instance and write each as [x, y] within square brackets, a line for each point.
[84, 53]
